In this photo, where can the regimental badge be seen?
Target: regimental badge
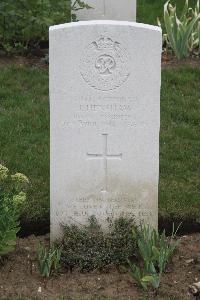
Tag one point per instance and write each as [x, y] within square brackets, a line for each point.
[105, 64]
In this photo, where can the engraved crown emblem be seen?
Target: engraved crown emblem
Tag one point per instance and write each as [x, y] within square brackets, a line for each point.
[105, 43]
[105, 63]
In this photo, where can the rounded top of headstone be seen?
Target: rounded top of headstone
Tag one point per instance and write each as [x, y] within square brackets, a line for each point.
[105, 22]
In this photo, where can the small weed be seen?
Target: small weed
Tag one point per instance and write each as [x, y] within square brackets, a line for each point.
[48, 260]
[155, 251]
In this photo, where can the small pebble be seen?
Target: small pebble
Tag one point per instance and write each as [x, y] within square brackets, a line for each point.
[197, 285]
[189, 261]
[193, 290]
[27, 248]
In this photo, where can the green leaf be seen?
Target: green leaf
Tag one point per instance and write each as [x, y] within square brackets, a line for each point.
[156, 252]
[147, 278]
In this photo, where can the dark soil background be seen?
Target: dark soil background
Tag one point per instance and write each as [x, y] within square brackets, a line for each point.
[38, 60]
[19, 277]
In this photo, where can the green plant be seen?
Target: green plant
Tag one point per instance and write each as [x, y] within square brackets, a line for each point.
[48, 259]
[182, 34]
[24, 24]
[89, 247]
[12, 197]
[155, 251]
[194, 41]
[77, 5]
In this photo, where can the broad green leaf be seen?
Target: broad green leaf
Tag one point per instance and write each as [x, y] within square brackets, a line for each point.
[147, 278]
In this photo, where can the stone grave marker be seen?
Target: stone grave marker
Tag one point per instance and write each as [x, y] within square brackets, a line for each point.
[105, 117]
[121, 10]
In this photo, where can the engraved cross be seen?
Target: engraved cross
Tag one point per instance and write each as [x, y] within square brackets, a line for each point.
[105, 157]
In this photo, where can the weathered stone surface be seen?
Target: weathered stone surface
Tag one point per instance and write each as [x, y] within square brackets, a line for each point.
[105, 118]
[121, 10]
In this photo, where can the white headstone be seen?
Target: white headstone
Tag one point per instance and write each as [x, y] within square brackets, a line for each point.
[121, 10]
[105, 119]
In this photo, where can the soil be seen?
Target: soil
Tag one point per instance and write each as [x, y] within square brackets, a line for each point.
[23, 61]
[170, 61]
[19, 277]
[38, 60]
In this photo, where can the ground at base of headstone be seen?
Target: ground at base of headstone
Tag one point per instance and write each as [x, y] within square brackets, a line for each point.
[20, 279]
[42, 61]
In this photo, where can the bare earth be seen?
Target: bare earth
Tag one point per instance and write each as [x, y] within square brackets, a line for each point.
[167, 61]
[19, 277]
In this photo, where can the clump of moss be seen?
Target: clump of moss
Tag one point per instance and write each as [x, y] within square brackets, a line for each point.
[89, 247]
